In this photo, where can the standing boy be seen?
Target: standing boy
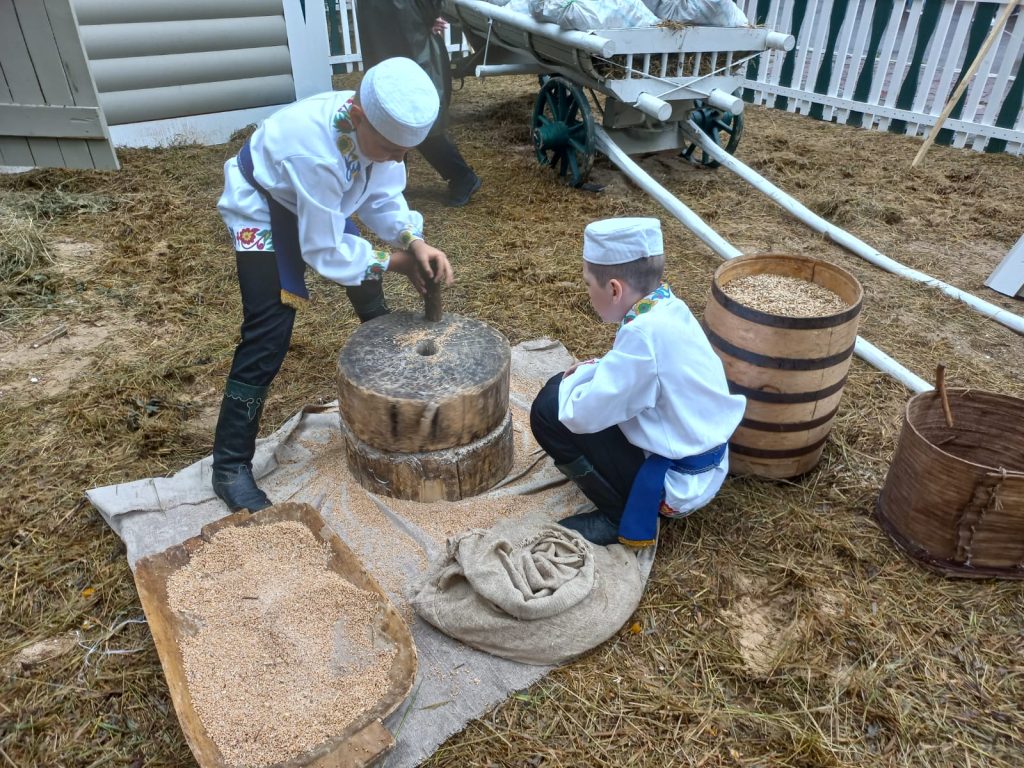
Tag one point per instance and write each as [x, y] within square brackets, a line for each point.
[287, 201]
[643, 429]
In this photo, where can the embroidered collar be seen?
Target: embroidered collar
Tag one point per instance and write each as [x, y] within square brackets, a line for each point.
[647, 303]
[350, 155]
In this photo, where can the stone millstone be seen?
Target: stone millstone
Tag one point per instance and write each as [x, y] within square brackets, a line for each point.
[449, 474]
[409, 386]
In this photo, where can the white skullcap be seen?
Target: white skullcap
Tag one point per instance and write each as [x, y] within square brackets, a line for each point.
[616, 241]
[399, 100]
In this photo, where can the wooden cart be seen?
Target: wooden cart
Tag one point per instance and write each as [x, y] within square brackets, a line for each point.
[653, 79]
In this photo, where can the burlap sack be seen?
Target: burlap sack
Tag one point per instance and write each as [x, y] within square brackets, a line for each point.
[529, 590]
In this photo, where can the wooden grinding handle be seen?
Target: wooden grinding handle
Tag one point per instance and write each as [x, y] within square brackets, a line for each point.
[432, 301]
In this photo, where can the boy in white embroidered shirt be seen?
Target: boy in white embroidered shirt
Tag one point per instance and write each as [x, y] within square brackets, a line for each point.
[642, 430]
[288, 198]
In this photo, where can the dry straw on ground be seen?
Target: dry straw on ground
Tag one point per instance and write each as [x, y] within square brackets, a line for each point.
[779, 628]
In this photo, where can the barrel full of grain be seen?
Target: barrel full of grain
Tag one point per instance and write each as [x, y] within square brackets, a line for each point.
[786, 341]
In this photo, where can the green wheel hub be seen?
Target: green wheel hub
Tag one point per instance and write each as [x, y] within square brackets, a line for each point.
[563, 130]
[724, 128]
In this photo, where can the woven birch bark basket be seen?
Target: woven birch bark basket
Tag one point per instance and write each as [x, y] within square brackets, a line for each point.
[954, 496]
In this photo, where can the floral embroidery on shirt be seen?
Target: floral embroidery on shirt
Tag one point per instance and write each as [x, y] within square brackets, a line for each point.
[647, 303]
[342, 119]
[346, 140]
[376, 269]
[253, 239]
[345, 144]
[407, 237]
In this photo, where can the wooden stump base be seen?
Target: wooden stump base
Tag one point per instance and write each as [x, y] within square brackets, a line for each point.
[449, 474]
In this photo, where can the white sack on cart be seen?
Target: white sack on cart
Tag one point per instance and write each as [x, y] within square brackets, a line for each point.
[708, 13]
[586, 15]
[519, 6]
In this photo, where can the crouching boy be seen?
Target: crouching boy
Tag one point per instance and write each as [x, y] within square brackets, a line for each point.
[642, 430]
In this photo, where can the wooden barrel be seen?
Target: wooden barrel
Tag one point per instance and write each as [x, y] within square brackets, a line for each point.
[954, 496]
[448, 474]
[791, 369]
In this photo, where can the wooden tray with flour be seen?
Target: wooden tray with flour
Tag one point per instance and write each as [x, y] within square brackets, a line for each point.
[364, 741]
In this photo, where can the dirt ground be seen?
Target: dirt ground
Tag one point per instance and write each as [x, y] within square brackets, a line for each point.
[780, 626]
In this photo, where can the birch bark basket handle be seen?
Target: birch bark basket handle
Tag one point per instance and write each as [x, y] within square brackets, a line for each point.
[940, 387]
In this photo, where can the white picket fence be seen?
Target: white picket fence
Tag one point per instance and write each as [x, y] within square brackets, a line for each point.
[881, 64]
[893, 65]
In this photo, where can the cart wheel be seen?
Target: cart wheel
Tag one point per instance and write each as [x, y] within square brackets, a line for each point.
[563, 130]
[725, 128]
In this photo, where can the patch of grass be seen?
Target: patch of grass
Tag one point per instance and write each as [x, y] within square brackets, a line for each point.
[54, 203]
[23, 250]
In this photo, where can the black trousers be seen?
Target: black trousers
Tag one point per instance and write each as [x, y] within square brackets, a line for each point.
[612, 455]
[266, 322]
[444, 157]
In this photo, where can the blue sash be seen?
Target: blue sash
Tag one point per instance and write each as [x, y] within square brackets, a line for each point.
[284, 226]
[639, 524]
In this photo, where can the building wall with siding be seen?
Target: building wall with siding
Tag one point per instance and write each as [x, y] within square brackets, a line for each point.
[153, 59]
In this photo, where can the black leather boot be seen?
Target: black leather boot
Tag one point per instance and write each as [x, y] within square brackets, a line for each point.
[367, 299]
[234, 444]
[602, 525]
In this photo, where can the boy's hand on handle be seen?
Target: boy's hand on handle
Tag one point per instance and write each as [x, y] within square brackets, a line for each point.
[422, 262]
[439, 26]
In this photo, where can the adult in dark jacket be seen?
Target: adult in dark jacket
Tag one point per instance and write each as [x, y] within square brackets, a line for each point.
[414, 29]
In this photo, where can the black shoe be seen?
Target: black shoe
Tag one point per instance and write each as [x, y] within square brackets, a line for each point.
[234, 445]
[460, 190]
[602, 525]
[596, 527]
[236, 487]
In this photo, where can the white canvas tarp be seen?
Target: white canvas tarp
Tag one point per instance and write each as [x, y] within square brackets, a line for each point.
[304, 461]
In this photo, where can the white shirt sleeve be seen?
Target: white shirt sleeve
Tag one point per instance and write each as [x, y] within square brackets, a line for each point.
[385, 210]
[343, 258]
[614, 389]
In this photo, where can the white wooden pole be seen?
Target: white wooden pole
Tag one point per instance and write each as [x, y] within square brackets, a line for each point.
[585, 41]
[993, 35]
[690, 220]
